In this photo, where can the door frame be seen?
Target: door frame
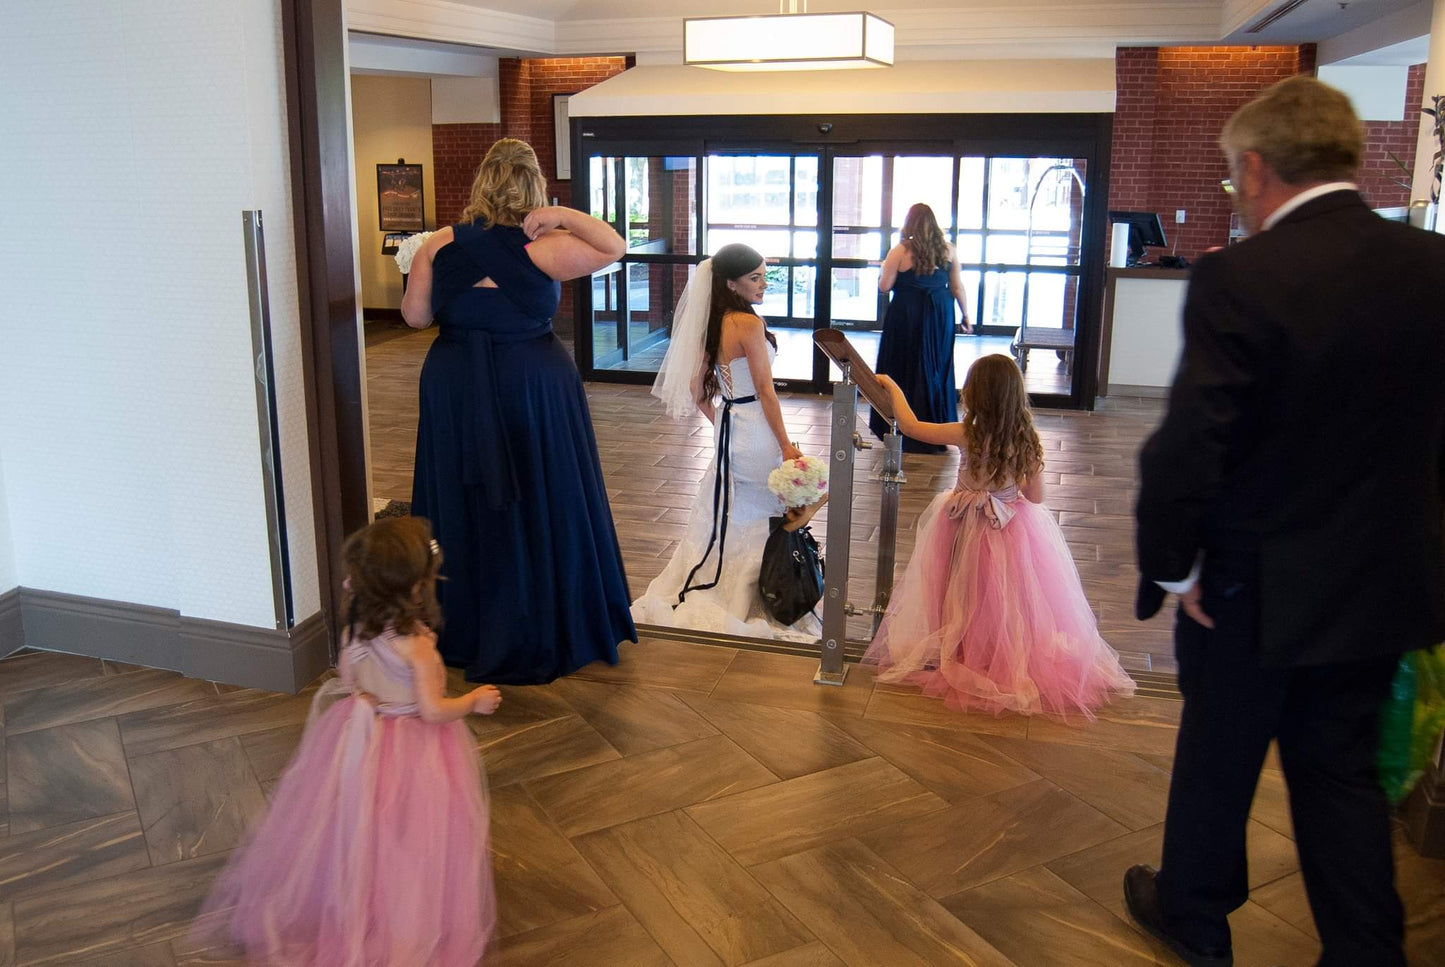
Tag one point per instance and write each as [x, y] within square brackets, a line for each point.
[314, 38]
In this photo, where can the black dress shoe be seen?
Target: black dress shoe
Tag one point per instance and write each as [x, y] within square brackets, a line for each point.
[1141, 896]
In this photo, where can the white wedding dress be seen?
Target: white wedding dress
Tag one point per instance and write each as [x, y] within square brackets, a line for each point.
[733, 605]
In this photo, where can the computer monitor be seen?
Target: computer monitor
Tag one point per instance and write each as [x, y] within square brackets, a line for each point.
[1145, 231]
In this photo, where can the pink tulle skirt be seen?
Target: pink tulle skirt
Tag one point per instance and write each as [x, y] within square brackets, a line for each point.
[374, 851]
[994, 619]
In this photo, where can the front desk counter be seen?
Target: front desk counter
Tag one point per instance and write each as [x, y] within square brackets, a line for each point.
[1143, 330]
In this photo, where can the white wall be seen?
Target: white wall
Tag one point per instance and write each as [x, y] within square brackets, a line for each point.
[373, 54]
[1402, 28]
[466, 100]
[920, 87]
[127, 412]
[1376, 91]
[390, 119]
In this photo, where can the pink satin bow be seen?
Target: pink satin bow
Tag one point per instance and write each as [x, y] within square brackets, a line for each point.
[994, 508]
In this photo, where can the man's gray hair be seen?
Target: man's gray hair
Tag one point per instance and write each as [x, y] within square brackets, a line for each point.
[1304, 130]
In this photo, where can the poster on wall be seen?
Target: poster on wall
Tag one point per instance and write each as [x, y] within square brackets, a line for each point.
[562, 136]
[399, 198]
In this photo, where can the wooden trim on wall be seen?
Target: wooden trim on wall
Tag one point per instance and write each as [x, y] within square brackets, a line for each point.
[314, 40]
[12, 629]
[278, 660]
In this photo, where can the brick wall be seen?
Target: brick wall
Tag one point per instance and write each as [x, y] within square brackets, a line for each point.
[1172, 103]
[457, 149]
[544, 77]
[1379, 175]
[560, 75]
[525, 89]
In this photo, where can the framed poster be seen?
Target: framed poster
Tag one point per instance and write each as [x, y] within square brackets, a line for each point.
[400, 201]
[562, 136]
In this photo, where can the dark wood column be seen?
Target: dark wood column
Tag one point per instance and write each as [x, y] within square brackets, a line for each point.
[314, 35]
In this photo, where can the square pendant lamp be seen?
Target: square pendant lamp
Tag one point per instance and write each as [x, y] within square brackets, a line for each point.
[788, 42]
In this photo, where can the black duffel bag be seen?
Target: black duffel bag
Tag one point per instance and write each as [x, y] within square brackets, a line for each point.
[791, 577]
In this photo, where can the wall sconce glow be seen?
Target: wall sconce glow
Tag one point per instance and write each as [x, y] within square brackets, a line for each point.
[788, 42]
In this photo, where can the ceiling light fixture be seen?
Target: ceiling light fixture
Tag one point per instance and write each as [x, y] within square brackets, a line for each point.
[790, 40]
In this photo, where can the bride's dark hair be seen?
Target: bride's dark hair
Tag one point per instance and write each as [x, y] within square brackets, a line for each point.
[730, 263]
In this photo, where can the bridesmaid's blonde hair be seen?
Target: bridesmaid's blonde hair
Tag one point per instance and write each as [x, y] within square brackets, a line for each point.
[508, 185]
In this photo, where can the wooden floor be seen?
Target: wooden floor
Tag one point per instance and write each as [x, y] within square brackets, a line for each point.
[694, 805]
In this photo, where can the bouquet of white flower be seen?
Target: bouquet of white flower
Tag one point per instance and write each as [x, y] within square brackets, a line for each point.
[407, 250]
[801, 482]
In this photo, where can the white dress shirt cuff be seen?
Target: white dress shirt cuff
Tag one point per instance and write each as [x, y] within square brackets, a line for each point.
[1179, 587]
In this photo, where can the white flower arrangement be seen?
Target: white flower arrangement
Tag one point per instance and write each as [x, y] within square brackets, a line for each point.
[407, 250]
[801, 482]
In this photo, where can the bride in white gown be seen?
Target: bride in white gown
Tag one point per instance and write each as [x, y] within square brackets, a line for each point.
[720, 362]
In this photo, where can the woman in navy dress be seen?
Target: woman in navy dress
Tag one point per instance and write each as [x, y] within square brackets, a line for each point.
[916, 348]
[507, 472]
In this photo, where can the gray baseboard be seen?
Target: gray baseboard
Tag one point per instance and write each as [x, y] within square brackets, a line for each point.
[217, 651]
[12, 630]
[1148, 392]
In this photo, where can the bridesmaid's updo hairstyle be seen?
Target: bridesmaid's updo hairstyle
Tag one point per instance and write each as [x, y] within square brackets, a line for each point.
[509, 184]
[731, 262]
[391, 573]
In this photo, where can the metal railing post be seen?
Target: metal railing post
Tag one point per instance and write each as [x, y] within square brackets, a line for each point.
[892, 477]
[831, 669]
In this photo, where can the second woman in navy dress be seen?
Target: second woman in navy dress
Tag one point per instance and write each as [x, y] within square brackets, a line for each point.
[916, 348]
[506, 462]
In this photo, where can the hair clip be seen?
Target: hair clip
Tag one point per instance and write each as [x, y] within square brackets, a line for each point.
[436, 549]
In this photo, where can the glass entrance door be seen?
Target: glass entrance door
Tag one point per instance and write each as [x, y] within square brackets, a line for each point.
[770, 201]
[825, 218]
[1016, 224]
[652, 202]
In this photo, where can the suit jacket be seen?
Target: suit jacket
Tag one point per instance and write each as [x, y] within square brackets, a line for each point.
[1304, 445]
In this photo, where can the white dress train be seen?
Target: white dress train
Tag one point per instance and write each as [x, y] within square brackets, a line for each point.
[733, 605]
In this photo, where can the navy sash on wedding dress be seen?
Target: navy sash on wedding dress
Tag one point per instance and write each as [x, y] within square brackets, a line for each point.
[508, 473]
[721, 499]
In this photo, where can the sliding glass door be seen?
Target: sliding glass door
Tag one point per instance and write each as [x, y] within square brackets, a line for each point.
[825, 215]
[652, 202]
[770, 201]
[1016, 223]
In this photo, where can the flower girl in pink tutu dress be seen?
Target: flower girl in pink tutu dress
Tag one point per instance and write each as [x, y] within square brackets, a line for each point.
[990, 614]
[375, 849]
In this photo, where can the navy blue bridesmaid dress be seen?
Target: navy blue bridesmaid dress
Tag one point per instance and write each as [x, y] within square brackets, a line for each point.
[507, 472]
[916, 349]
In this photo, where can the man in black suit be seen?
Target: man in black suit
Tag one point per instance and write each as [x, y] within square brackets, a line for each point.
[1293, 498]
